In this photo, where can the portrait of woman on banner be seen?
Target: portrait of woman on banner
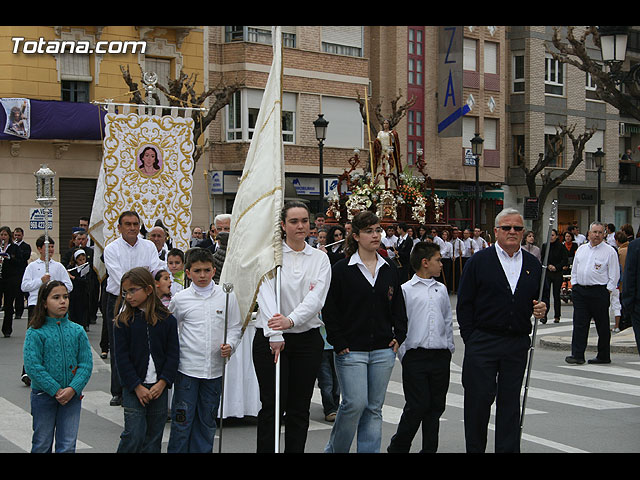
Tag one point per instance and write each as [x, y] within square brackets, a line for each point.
[150, 161]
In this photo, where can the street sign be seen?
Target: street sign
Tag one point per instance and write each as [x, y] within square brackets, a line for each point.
[38, 216]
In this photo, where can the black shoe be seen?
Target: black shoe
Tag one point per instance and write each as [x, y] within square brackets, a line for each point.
[543, 321]
[574, 361]
[116, 401]
[597, 361]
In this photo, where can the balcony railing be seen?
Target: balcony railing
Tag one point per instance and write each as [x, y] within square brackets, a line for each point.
[629, 173]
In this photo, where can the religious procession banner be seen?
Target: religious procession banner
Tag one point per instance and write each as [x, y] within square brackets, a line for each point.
[146, 167]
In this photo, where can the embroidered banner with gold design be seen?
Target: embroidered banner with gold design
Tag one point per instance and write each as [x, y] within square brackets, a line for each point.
[146, 167]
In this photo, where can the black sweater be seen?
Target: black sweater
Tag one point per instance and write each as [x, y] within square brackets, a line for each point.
[558, 257]
[361, 317]
[485, 300]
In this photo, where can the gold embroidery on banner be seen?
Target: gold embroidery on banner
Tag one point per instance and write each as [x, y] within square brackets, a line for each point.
[165, 195]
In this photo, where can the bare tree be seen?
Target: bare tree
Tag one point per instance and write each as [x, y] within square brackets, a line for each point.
[551, 179]
[398, 111]
[181, 93]
[573, 51]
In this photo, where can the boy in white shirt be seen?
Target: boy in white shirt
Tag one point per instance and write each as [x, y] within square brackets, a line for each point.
[200, 311]
[426, 352]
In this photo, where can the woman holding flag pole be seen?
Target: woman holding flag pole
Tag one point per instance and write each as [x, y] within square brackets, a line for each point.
[290, 335]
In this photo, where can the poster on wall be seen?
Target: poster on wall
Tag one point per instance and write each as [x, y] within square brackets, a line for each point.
[18, 114]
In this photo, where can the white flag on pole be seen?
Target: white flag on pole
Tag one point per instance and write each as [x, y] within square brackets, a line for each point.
[254, 249]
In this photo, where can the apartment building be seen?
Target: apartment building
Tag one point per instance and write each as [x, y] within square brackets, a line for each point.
[65, 126]
[326, 68]
[544, 93]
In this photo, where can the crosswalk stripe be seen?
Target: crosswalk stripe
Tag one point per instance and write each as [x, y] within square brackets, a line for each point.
[578, 381]
[607, 369]
[14, 426]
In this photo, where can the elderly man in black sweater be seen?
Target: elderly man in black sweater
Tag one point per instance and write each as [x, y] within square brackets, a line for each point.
[498, 294]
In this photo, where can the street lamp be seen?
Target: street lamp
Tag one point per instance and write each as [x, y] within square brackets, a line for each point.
[320, 124]
[598, 157]
[476, 150]
[613, 48]
[45, 196]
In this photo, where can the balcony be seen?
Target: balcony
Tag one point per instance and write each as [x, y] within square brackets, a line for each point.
[629, 173]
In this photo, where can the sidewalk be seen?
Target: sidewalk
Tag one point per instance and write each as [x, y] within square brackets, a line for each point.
[622, 342]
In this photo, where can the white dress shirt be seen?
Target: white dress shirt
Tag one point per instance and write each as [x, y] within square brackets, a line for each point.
[201, 318]
[305, 280]
[597, 265]
[446, 249]
[356, 260]
[480, 243]
[120, 257]
[511, 265]
[31, 280]
[469, 247]
[459, 248]
[429, 314]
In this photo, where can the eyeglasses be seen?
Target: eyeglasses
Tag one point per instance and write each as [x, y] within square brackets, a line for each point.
[132, 291]
[370, 231]
[507, 228]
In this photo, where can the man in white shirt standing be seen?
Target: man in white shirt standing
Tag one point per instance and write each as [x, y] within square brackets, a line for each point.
[594, 275]
[124, 253]
[480, 243]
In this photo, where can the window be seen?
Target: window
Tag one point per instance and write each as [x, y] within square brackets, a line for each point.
[469, 60]
[414, 135]
[242, 113]
[343, 40]
[162, 68]
[490, 57]
[553, 76]
[518, 150]
[75, 91]
[469, 130]
[416, 56]
[259, 35]
[490, 134]
[558, 162]
[518, 74]
[592, 145]
[75, 77]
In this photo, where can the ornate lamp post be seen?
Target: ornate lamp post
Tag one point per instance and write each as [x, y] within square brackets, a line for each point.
[599, 160]
[45, 196]
[320, 124]
[613, 47]
[476, 149]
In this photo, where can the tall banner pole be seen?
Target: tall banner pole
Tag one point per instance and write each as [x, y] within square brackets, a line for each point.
[277, 407]
[366, 104]
[227, 288]
[552, 219]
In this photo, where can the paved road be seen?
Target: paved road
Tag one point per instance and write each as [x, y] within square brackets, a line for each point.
[570, 409]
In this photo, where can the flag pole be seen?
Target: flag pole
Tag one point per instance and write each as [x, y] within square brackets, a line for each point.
[227, 288]
[277, 389]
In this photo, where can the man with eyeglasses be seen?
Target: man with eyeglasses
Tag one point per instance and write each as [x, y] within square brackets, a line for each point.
[129, 250]
[594, 275]
[497, 296]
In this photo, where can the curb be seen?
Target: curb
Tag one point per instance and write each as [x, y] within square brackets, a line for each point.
[623, 342]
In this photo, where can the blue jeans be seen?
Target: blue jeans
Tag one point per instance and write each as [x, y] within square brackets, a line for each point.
[143, 425]
[328, 383]
[363, 378]
[194, 410]
[50, 419]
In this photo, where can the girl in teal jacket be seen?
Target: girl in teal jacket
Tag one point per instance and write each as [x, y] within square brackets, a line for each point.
[57, 358]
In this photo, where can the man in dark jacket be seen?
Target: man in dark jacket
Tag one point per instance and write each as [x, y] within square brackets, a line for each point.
[498, 294]
[558, 259]
[630, 295]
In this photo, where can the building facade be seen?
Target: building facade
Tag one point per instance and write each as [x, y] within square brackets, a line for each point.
[87, 69]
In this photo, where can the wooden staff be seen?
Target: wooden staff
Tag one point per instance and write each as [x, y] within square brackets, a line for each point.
[366, 103]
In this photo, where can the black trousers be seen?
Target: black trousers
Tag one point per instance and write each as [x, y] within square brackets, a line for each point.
[299, 364]
[493, 370]
[552, 281]
[588, 303]
[447, 273]
[425, 381]
[9, 289]
[116, 386]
